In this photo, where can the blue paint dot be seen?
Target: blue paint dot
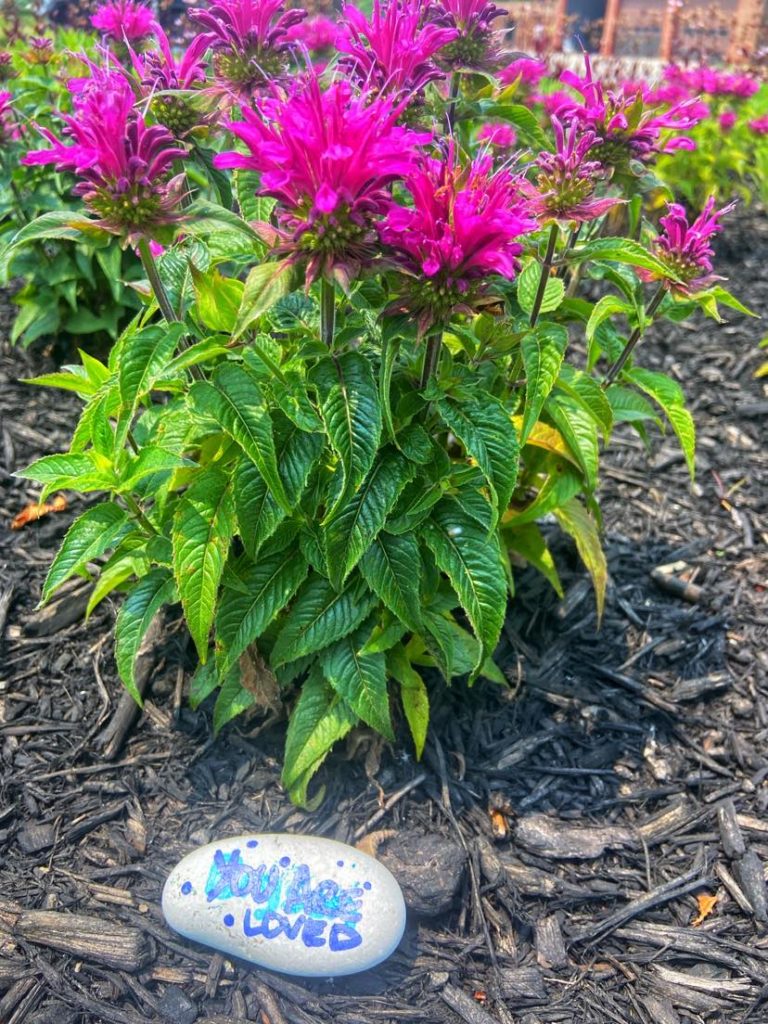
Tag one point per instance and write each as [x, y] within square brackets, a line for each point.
[366, 885]
[284, 862]
[229, 920]
[340, 863]
[186, 888]
[252, 843]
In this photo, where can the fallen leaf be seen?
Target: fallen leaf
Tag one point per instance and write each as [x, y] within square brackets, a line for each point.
[370, 844]
[257, 678]
[706, 904]
[31, 513]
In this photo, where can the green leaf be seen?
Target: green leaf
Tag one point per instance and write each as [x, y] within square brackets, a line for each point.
[68, 379]
[79, 472]
[580, 431]
[258, 514]
[218, 299]
[118, 570]
[576, 521]
[360, 680]
[622, 250]
[134, 618]
[252, 207]
[630, 407]
[320, 616]
[527, 540]
[143, 357]
[587, 393]
[321, 718]
[392, 569]
[413, 694]
[265, 284]
[356, 524]
[668, 395]
[88, 537]
[543, 348]
[232, 700]
[242, 617]
[235, 401]
[523, 119]
[606, 307]
[528, 286]
[472, 561]
[203, 527]
[561, 484]
[203, 683]
[349, 406]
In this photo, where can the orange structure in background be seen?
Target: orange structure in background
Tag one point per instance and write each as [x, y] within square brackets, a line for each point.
[687, 30]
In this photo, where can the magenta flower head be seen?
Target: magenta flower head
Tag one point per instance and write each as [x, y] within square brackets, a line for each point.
[393, 51]
[251, 41]
[124, 21]
[328, 158]
[687, 248]
[727, 120]
[628, 131]
[500, 136]
[474, 46]
[8, 129]
[712, 81]
[122, 163]
[567, 180]
[759, 125]
[527, 70]
[319, 35]
[168, 82]
[462, 228]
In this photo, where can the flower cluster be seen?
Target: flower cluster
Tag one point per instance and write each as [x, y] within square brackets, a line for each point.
[394, 50]
[759, 125]
[525, 70]
[125, 21]
[567, 179]
[711, 81]
[251, 41]
[168, 81]
[687, 248]
[474, 45]
[123, 164]
[627, 129]
[464, 225]
[328, 157]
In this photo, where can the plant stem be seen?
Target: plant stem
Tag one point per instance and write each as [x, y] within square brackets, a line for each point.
[453, 95]
[153, 276]
[618, 366]
[133, 505]
[431, 358]
[546, 268]
[327, 311]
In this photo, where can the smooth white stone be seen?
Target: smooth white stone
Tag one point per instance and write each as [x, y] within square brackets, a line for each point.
[297, 904]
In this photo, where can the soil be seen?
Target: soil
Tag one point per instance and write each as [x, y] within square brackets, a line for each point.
[589, 846]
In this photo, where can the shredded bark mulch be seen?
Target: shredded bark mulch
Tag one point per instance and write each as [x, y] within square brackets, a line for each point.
[589, 846]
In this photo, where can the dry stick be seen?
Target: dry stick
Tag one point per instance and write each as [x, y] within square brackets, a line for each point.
[618, 366]
[546, 269]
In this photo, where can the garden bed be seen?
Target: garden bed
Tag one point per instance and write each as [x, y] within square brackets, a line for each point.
[556, 836]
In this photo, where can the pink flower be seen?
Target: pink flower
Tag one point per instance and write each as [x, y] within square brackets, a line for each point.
[8, 129]
[567, 179]
[502, 136]
[393, 51]
[712, 81]
[474, 46]
[161, 72]
[251, 40]
[686, 248]
[122, 163]
[627, 129]
[727, 120]
[316, 34]
[529, 71]
[759, 125]
[329, 159]
[124, 20]
[463, 226]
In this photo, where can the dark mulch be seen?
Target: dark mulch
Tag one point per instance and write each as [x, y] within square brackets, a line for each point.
[554, 840]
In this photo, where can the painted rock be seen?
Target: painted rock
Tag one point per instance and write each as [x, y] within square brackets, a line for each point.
[292, 903]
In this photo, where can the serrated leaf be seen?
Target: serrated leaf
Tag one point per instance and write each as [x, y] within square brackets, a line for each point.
[360, 680]
[392, 569]
[606, 307]
[528, 286]
[118, 570]
[218, 299]
[203, 683]
[527, 540]
[623, 250]
[319, 616]
[242, 617]
[133, 620]
[252, 207]
[143, 357]
[233, 700]
[356, 524]
[580, 431]
[78, 472]
[351, 412]
[88, 537]
[576, 521]
[235, 401]
[321, 718]
[587, 393]
[150, 460]
[543, 348]
[472, 562]
[203, 526]
[630, 407]
[669, 396]
[265, 284]
[561, 484]
[413, 694]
